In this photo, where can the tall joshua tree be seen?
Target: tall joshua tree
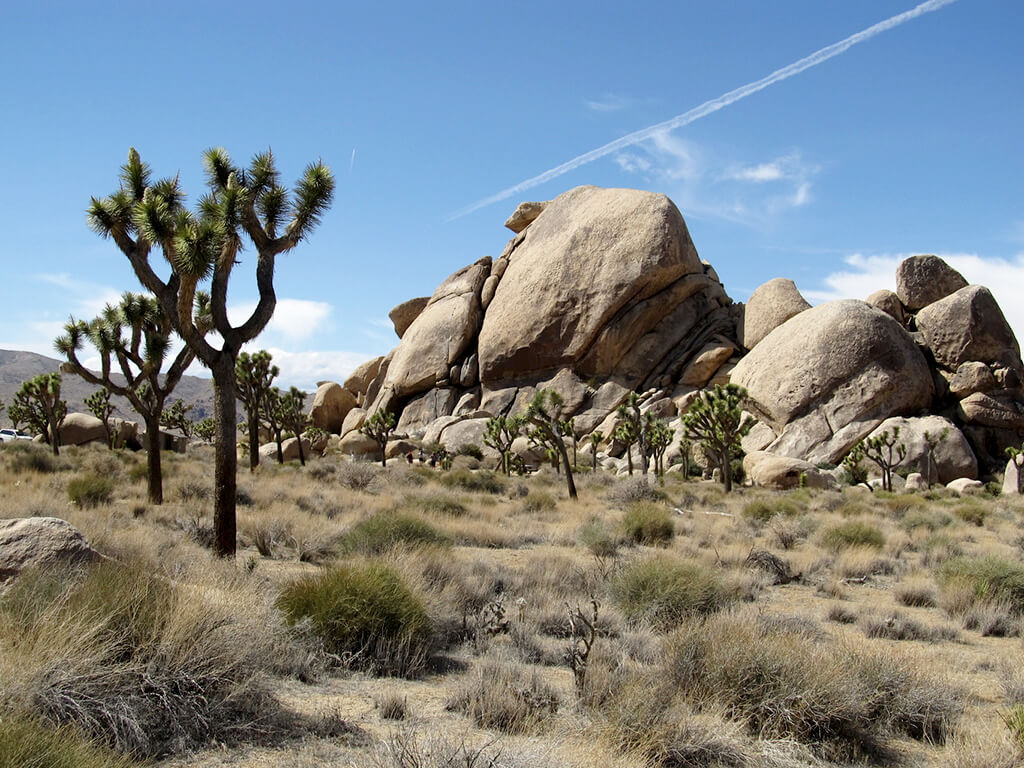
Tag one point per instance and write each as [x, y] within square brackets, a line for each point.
[254, 374]
[38, 404]
[241, 205]
[135, 335]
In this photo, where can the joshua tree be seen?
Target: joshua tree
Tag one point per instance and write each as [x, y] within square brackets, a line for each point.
[254, 374]
[379, 427]
[501, 433]
[887, 452]
[292, 415]
[629, 413]
[176, 417]
[626, 433]
[542, 414]
[659, 438]
[595, 440]
[99, 405]
[205, 429]
[136, 335]
[715, 420]
[856, 474]
[205, 244]
[38, 405]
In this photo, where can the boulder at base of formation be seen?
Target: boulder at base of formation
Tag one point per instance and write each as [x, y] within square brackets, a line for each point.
[767, 470]
[965, 485]
[28, 542]
[828, 376]
[331, 405]
[81, 428]
[951, 457]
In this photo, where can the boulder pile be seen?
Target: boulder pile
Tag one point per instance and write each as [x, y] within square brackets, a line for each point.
[601, 293]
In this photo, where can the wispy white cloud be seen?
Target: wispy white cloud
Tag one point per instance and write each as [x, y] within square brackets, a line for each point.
[607, 102]
[865, 274]
[706, 185]
[305, 369]
[294, 320]
[84, 298]
[709, 107]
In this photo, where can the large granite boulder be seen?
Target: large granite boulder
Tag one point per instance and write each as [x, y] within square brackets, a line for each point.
[439, 336]
[767, 470]
[27, 542]
[951, 458]
[923, 280]
[828, 376]
[770, 305]
[966, 326]
[81, 428]
[403, 315]
[589, 285]
[359, 380]
[331, 405]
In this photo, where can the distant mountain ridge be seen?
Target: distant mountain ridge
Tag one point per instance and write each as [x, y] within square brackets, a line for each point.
[18, 366]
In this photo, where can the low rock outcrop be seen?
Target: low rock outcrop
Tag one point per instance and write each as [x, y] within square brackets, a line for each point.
[33, 542]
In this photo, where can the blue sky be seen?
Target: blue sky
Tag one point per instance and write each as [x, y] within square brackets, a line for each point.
[909, 142]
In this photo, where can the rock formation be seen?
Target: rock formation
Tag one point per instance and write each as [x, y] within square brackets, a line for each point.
[32, 542]
[601, 293]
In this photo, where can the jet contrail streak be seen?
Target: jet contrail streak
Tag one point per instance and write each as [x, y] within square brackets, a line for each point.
[705, 109]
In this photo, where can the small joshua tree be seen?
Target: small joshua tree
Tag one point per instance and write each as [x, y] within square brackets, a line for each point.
[206, 429]
[629, 414]
[176, 417]
[292, 415]
[542, 414]
[626, 433]
[38, 404]
[379, 427]
[500, 433]
[596, 438]
[715, 420]
[887, 452]
[99, 405]
[659, 438]
[254, 374]
[1016, 455]
[241, 204]
[856, 473]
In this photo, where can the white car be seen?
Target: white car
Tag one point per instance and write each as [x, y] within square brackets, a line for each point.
[12, 434]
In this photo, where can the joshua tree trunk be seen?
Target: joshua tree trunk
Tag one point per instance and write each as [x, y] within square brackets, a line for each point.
[154, 472]
[254, 440]
[725, 465]
[226, 461]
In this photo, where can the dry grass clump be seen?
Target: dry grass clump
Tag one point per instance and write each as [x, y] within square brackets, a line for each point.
[443, 504]
[762, 510]
[136, 661]
[406, 748]
[481, 481]
[854, 533]
[90, 490]
[383, 531]
[896, 626]
[916, 593]
[599, 539]
[973, 512]
[505, 696]
[989, 577]
[391, 705]
[629, 490]
[664, 592]
[32, 743]
[841, 614]
[783, 684]
[23, 456]
[356, 475]
[365, 614]
[648, 523]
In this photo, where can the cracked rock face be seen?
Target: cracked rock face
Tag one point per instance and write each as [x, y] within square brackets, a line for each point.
[828, 376]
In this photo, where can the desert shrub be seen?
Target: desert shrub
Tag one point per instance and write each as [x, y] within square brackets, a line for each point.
[917, 593]
[988, 617]
[763, 510]
[1014, 720]
[972, 512]
[90, 490]
[138, 472]
[357, 475]
[648, 523]
[25, 456]
[629, 490]
[193, 492]
[903, 503]
[505, 696]
[840, 614]
[471, 449]
[989, 578]
[385, 530]
[899, 627]
[438, 504]
[854, 533]
[782, 684]
[482, 481]
[138, 662]
[322, 470]
[664, 592]
[599, 539]
[391, 705]
[539, 501]
[30, 743]
[927, 519]
[938, 548]
[365, 614]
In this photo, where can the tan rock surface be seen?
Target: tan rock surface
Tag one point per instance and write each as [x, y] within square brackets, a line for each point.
[922, 280]
[27, 542]
[967, 326]
[770, 305]
[331, 405]
[403, 315]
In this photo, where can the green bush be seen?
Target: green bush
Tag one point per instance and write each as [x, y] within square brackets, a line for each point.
[470, 449]
[385, 530]
[990, 578]
[539, 501]
[854, 533]
[28, 743]
[365, 614]
[972, 512]
[648, 523]
[1014, 720]
[762, 510]
[930, 520]
[664, 592]
[90, 490]
[438, 504]
[599, 540]
[25, 456]
[481, 481]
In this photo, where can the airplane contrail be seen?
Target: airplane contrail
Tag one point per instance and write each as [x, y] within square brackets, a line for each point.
[708, 107]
